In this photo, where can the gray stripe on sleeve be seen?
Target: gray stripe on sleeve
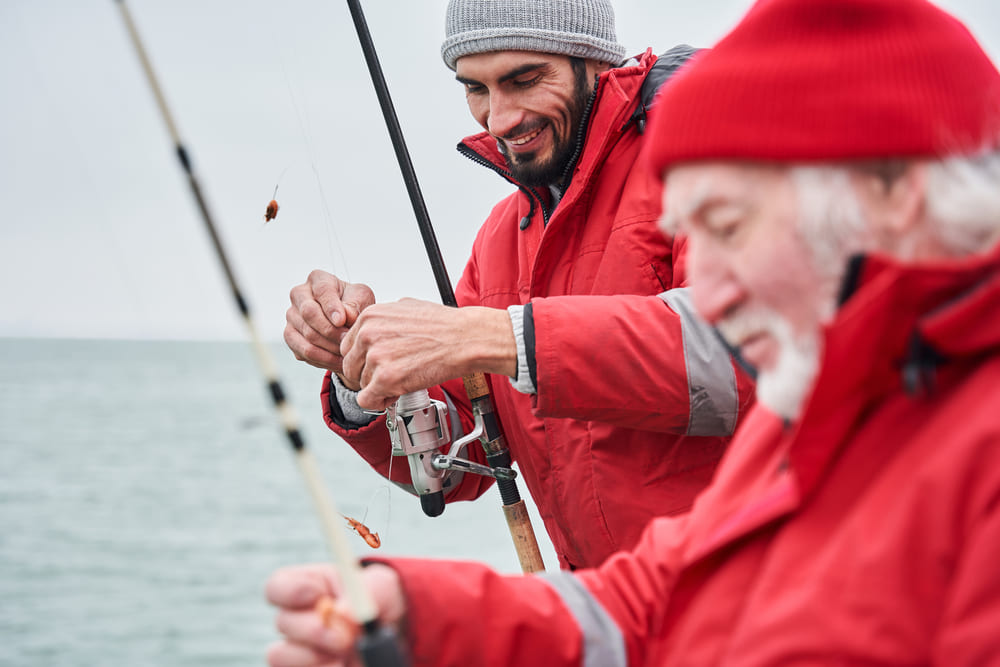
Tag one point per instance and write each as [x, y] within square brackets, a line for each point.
[603, 644]
[711, 378]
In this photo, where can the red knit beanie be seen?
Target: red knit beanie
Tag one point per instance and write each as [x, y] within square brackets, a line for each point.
[830, 80]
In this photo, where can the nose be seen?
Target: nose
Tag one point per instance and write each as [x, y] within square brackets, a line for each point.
[505, 114]
[715, 289]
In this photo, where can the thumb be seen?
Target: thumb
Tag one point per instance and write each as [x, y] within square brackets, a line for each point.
[351, 311]
[369, 400]
[338, 316]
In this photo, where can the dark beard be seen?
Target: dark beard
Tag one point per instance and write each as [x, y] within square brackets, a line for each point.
[526, 168]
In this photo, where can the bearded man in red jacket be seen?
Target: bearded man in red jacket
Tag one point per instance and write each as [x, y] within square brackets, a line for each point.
[567, 278]
[835, 165]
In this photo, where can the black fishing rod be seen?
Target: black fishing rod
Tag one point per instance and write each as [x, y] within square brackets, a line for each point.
[377, 644]
[497, 454]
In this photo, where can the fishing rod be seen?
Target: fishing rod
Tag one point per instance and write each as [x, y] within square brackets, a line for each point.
[476, 387]
[377, 644]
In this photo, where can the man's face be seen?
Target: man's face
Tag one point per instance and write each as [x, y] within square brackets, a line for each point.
[753, 274]
[532, 103]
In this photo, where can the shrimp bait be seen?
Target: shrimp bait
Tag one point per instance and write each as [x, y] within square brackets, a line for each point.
[272, 211]
[272, 207]
[334, 618]
[361, 529]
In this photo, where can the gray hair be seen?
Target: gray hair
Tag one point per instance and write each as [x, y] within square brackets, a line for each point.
[963, 202]
[830, 219]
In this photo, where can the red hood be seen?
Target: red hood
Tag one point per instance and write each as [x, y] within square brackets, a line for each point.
[901, 316]
[909, 328]
[617, 89]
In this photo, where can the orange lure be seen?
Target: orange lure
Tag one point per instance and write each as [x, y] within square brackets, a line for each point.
[272, 211]
[333, 618]
[272, 207]
[361, 529]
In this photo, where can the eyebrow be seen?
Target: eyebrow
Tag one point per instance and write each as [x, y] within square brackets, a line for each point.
[513, 74]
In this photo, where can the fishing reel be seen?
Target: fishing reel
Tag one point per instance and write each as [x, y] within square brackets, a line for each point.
[418, 428]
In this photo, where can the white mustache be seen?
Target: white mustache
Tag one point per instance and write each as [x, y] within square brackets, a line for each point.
[739, 327]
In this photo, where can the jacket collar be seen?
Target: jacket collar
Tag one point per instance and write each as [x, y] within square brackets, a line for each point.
[901, 328]
[615, 101]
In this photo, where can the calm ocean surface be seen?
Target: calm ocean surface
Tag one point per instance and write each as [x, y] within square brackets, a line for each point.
[147, 491]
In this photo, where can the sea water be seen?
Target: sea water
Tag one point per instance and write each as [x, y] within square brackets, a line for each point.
[147, 490]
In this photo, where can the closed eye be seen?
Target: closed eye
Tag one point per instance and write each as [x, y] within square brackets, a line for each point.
[472, 87]
[724, 223]
[527, 83]
[723, 231]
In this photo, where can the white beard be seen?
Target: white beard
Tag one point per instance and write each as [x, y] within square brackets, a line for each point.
[783, 388]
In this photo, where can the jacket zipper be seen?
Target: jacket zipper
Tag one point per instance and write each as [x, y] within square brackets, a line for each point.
[532, 196]
[581, 131]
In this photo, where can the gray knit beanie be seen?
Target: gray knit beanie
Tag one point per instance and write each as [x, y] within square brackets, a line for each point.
[581, 28]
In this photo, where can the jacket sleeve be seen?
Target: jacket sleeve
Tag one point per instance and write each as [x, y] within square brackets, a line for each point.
[588, 618]
[373, 444]
[645, 362]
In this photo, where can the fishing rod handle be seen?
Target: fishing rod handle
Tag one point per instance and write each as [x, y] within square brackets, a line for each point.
[498, 456]
[523, 535]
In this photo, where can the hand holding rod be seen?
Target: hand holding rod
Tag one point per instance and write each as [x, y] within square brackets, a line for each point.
[476, 386]
[377, 645]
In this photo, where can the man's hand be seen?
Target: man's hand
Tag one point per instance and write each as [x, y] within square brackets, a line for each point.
[307, 640]
[323, 309]
[396, 348]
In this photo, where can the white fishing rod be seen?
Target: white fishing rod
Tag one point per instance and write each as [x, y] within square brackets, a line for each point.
[377, 644]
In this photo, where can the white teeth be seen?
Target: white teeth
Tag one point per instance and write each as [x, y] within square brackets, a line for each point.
[524, 140]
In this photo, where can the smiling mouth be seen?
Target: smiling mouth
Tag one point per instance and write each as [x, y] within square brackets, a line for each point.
[525, 138]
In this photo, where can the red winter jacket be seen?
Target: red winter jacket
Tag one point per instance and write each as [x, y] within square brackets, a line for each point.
[610, 440]
[867, 533]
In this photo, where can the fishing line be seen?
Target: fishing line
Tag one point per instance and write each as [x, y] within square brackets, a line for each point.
[330, 227]
[387, 487]
[303, 125]
[307, 141]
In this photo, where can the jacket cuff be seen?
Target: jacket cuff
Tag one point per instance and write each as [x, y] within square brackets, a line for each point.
[524, 381]
[344, 408]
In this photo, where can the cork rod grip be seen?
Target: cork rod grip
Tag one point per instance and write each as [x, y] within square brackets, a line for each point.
[523, 535]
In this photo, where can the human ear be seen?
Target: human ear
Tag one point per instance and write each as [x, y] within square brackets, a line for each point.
[905, 197]
[894, 205]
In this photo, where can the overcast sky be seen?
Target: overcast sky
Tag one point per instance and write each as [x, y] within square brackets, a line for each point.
[99, 235]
